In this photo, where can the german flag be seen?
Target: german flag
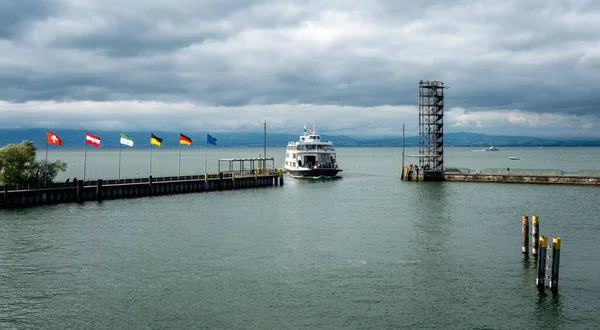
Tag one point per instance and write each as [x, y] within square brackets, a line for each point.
[155, 140]
[184, 139]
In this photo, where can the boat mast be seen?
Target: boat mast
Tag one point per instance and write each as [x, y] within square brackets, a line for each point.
[402, 149]
[265, 146]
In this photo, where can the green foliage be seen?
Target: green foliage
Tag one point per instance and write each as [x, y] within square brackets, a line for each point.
[18, 165]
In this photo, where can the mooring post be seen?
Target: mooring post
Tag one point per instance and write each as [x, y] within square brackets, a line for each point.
[541, 276]
[555, 264]
[99, 190]
[150, 189]
[80, 191]
[525, 233]
[535, 234]
[281, 177]
[233, 179]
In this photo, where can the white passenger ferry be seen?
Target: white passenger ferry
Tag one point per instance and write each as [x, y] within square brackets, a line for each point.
[309, 157]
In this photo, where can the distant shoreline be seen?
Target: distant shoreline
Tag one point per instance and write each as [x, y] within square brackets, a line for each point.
[268, 146]
[76, 138]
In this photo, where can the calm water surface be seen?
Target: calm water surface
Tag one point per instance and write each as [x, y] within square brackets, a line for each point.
[364, 251]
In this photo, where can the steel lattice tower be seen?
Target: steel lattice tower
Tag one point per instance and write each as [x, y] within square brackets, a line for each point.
[431, 125]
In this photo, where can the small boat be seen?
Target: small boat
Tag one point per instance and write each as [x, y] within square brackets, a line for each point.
[514, 158]
[491, 148]
[310, 157]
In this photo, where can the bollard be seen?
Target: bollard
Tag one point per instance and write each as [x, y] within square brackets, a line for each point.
[535, 234]
[539, 281]
[205, 176]
[525, 233]
[555, 264]
[280, 177]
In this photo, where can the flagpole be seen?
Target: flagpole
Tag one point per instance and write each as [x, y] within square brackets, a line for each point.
[84, 160]
[119, 158]
[205, 155]
[179, 162]
[46, 165]
[150, 155]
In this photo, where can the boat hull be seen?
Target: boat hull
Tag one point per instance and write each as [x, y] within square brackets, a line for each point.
[314, 172]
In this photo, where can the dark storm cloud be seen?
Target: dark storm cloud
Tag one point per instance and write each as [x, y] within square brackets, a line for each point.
[17, 15]
[537, 57]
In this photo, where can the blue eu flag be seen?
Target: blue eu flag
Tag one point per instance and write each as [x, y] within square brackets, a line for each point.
[210, 139]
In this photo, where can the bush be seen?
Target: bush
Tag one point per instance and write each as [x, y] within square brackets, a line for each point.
[18, 165]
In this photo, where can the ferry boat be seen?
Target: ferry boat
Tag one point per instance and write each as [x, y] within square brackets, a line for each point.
[310, 157]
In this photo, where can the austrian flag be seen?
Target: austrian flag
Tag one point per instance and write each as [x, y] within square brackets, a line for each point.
[92, 139]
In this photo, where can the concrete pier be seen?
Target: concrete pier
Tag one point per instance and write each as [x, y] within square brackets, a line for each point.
[515, 176]
[95, 190]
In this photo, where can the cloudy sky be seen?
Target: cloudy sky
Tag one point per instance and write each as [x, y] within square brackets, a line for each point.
[512, 67]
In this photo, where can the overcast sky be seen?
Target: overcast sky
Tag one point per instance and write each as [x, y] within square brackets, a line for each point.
[512, 67]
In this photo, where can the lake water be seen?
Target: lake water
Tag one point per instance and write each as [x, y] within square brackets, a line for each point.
[363, 251]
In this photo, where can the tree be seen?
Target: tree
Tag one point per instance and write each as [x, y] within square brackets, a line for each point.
[18, 165]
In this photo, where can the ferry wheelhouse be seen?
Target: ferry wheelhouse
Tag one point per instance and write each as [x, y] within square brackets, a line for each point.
[310, 157]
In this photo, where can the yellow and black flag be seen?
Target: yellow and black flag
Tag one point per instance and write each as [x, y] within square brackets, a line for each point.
[155, 140]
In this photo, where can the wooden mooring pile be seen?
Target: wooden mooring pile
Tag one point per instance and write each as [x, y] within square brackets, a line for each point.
[546, 256]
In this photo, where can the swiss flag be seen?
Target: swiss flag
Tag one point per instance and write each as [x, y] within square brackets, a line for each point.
[92, 139]
[52, 138]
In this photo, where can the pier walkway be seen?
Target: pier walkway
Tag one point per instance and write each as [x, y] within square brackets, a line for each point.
[95, 190]
[541, 176]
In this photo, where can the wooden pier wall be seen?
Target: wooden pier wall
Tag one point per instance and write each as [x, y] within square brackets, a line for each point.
[79, 191]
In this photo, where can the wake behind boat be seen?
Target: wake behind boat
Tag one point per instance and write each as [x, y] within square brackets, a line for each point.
[491, 148]
[309, 157]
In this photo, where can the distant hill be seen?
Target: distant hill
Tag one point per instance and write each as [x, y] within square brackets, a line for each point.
[76, 138]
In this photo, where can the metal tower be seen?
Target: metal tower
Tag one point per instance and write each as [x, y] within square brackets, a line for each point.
[431, 125]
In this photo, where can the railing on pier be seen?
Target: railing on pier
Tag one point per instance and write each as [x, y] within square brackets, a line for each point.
[94, 183]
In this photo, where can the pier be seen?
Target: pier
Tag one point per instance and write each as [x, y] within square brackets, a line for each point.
[495, 176]
[241, 173]
[430, 164]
